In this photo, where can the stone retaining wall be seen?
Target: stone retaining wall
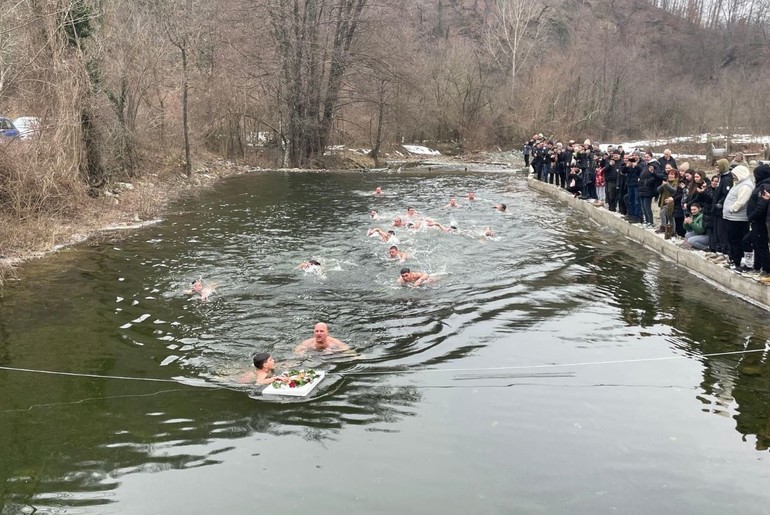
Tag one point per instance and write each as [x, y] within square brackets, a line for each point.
[695, 262]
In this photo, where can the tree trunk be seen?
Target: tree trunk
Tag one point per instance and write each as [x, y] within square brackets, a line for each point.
[185, 123]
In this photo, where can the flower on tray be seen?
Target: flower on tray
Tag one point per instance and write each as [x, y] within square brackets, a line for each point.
[296, 378]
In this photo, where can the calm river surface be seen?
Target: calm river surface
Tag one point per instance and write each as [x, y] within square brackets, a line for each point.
[555, 368]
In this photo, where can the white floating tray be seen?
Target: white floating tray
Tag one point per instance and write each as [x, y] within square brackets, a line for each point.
[300, 391]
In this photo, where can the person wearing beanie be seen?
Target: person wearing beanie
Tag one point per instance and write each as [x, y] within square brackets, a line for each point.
[734, 211]
[719, 235]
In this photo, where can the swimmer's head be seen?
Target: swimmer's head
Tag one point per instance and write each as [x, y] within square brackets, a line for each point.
[392, 232]
[260, 358]
[393, 251]
[453, 227]
[405, 271]
[313, 262]
[410, 225]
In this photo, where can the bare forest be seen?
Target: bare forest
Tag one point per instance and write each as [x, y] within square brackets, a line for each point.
[124, 88]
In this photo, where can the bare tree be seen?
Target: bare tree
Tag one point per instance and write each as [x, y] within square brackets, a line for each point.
[314, 40]
[513, 30]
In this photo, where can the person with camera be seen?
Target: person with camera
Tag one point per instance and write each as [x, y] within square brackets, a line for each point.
[575, 181]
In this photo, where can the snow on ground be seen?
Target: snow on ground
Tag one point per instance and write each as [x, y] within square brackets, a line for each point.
[719, 141]
[417, 149]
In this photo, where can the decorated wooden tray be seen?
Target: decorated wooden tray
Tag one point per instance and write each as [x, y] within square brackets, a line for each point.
[300, 384]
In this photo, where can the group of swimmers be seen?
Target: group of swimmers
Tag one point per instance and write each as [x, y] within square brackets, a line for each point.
[264, 364]
[414, 222]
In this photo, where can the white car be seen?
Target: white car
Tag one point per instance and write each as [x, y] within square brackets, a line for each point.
[27, 126]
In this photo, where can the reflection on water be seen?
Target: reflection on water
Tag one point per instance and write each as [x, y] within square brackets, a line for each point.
[547, 289]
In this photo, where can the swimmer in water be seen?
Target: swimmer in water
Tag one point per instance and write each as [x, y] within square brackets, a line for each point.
[264, 371]
[411, 212]
[321, 342]
[488, 232]
[378, 191]
[414, 225]
[500, 207]
[199, 288]
[471, 196]
[415, 278]
[385, 236]
[398, 222]
[441, 227]
[452, 202]
[308, 265]
[374, 214]
[394, 253]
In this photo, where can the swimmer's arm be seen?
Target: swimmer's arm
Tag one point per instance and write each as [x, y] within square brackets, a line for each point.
[340, 346]
[301, 349]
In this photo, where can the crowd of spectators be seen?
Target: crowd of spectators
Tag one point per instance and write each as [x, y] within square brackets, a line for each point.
[723, 213]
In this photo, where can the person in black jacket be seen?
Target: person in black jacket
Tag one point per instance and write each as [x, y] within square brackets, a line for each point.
[611, 181]
[667, 159]
[719, 241]
[757, 211]
[649, 180]
[632, 172]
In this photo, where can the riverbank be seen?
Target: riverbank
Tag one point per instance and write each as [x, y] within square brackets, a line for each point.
[694, 261]
[123, 206]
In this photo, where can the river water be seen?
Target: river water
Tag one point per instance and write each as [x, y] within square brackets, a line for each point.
[554, 368]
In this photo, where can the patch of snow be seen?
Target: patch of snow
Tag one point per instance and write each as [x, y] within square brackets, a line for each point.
[417, 149]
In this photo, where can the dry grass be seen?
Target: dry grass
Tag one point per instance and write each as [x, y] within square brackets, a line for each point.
[43, 207]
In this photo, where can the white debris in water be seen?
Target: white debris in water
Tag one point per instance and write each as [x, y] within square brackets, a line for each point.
[141, 318]
[168, 360]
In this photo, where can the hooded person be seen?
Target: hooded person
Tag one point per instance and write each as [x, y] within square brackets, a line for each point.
[757, 212]
[734, 212]
[719, 240]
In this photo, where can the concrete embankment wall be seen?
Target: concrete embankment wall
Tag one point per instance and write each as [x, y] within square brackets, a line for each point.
[746, 288]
